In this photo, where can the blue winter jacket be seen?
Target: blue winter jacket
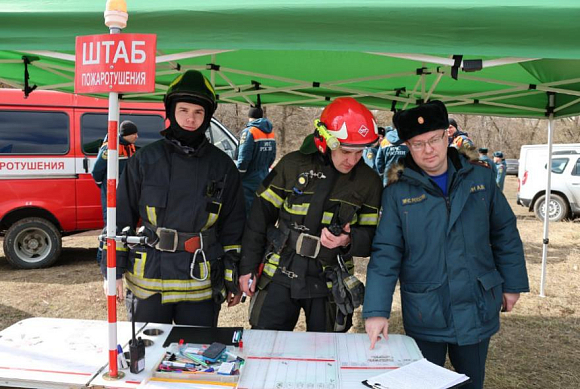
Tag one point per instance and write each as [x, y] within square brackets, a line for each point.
[257, 153]
[388, 154]
[454, 255]
[501, 169]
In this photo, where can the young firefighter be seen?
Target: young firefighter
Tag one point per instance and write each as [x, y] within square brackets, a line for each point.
[188, 196]
[316, 210]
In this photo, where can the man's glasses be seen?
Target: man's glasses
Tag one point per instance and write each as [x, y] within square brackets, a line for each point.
[433, 142]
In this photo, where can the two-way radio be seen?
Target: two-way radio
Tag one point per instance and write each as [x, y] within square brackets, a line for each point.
[136, 346]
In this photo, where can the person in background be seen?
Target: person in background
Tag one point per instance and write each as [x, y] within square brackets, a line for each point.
[187, 195]
[370, 153]
[257, 153]
[457, 138]
[128, 134]
[450, 238]
[501, 168]
[390, 151]
[485, 159]
[315, 211]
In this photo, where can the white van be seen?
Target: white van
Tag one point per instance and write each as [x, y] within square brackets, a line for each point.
[532, 179]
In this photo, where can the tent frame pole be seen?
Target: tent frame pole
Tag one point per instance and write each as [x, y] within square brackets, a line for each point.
[546, 239]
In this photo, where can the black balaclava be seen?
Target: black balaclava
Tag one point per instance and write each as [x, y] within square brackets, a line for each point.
[188, 138]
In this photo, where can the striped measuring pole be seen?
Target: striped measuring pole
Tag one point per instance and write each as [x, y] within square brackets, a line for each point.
[116, 19]
[112, 168]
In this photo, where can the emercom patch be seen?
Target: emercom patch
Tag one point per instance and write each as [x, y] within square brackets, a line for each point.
[477, 188]
[414, 200]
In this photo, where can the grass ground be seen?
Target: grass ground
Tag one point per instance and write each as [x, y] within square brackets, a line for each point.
[538, 345]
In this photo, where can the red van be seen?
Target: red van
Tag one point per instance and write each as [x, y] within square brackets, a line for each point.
[48, 145]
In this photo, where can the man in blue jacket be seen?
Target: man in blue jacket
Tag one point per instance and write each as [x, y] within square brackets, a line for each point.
[449, 236]
[501, 168]
[257, 153]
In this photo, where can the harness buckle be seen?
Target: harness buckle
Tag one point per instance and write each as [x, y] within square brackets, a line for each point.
[308, 245]
[300, 227]
[168, 239]
[288, 273]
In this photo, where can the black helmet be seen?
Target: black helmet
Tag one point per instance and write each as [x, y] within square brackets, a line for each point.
[193, 87]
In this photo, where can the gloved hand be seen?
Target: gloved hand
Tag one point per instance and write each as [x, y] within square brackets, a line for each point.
[217, 282]
[339, 293]
[355, 289]
[231, 274]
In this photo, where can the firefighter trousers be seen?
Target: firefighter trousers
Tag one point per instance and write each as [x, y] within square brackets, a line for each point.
[202, 313]
[273, 308]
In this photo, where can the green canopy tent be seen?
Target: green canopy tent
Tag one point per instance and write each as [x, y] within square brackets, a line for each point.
[480, 57]
[518, 58]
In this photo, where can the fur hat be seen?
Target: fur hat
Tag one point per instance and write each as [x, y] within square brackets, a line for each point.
[127, 127]
[421, 119]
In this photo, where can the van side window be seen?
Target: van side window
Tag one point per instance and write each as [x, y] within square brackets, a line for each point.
[558, 165]
[576, 171]
[94, 129]
[29, 132]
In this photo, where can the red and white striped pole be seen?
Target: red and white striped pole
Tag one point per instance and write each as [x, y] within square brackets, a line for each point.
[116, 19]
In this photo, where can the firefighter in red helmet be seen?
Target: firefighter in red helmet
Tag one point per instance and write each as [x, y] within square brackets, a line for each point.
[315, 211]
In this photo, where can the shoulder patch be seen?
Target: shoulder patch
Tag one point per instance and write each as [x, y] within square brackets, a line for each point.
[243, 137]
[477, 188]
[413, 200]
[105, 154]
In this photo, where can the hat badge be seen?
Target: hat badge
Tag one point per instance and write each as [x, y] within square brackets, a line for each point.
[420, 120]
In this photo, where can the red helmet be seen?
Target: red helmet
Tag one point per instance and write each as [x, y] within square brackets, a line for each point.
[350, 122]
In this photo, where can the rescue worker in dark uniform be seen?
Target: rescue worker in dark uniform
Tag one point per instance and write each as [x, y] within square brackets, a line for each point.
[485, 159]
[457, 138]
[128, 135]
[501, 167]
[390, 151]
[188, 196]
[316, 209]
[257, 153]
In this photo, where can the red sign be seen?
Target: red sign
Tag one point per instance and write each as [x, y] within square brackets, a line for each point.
[115, 63]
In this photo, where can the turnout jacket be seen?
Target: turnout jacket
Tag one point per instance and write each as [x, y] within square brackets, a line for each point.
[454, 255]
[283, 201]
[168, 185]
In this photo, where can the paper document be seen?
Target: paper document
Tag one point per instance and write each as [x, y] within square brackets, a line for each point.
[421, 374]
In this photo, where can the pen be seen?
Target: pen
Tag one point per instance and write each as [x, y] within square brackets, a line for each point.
[234, 356]
[180, 365]
[121, 360]
[195, 359]
[250, 282]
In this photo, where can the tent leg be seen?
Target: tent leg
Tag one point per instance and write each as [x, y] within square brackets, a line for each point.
[546, 239]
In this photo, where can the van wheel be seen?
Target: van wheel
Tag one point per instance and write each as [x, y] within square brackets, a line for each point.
[32, 243]
[558, 209]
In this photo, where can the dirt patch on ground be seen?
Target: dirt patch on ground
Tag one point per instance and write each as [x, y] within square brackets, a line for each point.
[537, 347]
